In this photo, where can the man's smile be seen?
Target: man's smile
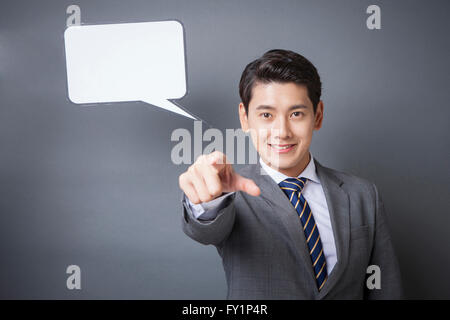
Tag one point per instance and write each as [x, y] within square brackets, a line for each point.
[282, 148]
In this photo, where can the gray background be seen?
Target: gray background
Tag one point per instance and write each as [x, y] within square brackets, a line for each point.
[95, 186]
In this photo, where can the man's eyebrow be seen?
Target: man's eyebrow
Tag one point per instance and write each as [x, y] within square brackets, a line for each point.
[267, 107]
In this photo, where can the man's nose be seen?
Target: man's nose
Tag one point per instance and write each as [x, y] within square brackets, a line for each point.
[281, 128]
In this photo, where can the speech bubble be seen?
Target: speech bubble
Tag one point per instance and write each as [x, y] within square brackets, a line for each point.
[142, 61]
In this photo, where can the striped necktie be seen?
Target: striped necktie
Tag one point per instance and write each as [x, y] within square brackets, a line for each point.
[293, 187]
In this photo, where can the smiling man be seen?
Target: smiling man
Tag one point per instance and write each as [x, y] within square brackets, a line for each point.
[289, 227]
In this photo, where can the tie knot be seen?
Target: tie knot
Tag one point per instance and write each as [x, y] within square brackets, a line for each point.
[293, 184]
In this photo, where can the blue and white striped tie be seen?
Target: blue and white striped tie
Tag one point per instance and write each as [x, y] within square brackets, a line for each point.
[293, 187]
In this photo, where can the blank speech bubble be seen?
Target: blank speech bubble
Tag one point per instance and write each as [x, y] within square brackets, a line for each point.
[127, 62]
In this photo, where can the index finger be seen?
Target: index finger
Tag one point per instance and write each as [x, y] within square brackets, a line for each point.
[218, 159]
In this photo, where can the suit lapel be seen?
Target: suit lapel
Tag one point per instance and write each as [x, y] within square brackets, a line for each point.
[338, 207]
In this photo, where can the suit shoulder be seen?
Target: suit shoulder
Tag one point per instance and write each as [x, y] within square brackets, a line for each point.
[352, 181]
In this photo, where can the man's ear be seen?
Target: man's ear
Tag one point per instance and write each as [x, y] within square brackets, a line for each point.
[318, 117]
[243, 117]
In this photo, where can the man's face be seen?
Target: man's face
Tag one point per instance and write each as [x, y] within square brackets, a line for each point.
[281, 122]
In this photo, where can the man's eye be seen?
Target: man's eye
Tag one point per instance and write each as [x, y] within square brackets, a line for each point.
[297, 113]
[266, 115]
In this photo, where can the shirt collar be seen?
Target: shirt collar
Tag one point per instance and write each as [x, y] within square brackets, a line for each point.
[309, 172]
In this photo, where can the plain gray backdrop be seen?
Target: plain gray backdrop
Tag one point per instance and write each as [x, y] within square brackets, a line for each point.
[95, 186]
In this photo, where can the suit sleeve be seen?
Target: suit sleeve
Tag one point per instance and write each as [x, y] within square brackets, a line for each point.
[213, 231]
[207, 210]
[384, 257]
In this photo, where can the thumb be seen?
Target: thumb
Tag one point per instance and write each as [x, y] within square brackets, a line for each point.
[246, 185]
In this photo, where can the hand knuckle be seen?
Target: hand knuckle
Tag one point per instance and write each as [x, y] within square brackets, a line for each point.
[216, 192]
[214, 170]
[181, 179]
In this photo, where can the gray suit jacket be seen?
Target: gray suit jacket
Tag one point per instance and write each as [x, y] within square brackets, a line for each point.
[264, 251]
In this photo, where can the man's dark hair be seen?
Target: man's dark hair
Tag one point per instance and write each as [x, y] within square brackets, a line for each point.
[281, 66]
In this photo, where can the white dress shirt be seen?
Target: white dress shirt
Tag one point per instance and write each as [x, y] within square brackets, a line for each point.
[312, 192]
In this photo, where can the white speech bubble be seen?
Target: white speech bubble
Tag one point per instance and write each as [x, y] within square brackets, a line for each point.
[127, 62]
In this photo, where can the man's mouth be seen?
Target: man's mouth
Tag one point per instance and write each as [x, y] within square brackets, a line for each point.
[282, 148]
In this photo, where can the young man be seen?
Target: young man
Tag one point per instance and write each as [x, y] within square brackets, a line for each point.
[288, 227]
